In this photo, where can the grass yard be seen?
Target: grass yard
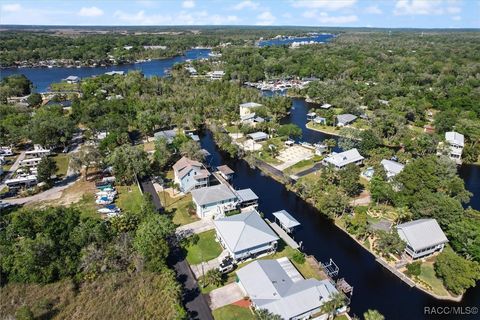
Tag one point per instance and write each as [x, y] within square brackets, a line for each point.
[229, 278]
[64, 86]
[62, 161]
[428, 276]
[129, 198]
[205, 249]
[179, 208]
[233, 312]
[265, 156]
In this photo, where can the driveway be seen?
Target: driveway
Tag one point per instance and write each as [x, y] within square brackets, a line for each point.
[202, 268]
[293, 155]
[225, 295]
[195, 227]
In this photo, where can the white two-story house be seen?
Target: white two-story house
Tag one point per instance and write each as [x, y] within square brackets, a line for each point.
[214, 201]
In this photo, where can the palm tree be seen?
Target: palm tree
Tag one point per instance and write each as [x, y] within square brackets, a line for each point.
[373, 315]
[213, 277]
[331, 143]
[336, 301]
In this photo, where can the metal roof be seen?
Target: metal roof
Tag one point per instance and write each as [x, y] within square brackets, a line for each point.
[244, 231]
[456, 138]
[212, 194]
[421, 234]
[343, 158]
[270, 285]
[258, 135]
[246, 195]
[346, 118]
[286, 219]
[250, 105]
[392, 167]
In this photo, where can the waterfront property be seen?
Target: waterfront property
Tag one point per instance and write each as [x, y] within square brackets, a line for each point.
[226, 172]
[258, 136]
[287, 222]
[168, 135]
[345, 119]
[214, 201]
[423, 237]
[392, 168]
[247, 198]
[248, 108]
[320, 120]
[456, 142]
[72, 79]
[245, 235]
[190, 174]
[277, 286]
[326, 106]
[342, 159]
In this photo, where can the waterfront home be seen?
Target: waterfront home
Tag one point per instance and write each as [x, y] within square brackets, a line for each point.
[277, 286]
[392, 168]
[72, 79]
[214, 201]
[287, 222]
[245, 235]
[168, 135]
[190, 174]
[258, 136]
[226, 172]
[311, 116]
[247, 198]
[320, 149]
[456, 142]
[342, 159]
[249, 107]
[320, 120]
[423, 237]
[345, 119]
[112, 73]
[326, 106]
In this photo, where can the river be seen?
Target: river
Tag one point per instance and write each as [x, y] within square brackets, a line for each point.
[374, 286]
[43, 77]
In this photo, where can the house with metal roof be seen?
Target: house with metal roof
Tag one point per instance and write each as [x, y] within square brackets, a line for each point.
[258, 136]
[214, 201]
[190, 174]
[247, 198]
[326, 106]
[392, 168]
[245, 235]
[456, 143]
[345, 119]
[287, 222]
[277, 286]
[168, 135]
[225, 171]
[423, 237]
[342, 159]
[248, 107]
[72, 79]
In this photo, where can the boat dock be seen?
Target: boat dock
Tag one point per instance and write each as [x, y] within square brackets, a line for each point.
[288, 240]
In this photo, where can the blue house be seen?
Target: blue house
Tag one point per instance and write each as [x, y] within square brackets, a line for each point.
[190, 174]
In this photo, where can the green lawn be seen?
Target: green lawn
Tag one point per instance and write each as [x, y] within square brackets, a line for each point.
[233, 312]
[229, 278]
[64, 86]
[206, 248]
[429, 277]
[129, 198]
[87, 206]
[179, 208]
[62, 161]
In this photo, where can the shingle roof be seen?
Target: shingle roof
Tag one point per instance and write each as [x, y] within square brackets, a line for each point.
[392, 166]
[251, 105]
[345, 118]
[455, 138]
[270, 287]
[184, 165]
[246, 195]
[286, 219]
[343, 158]
[244, 231]
[212, 194]
[422, 233]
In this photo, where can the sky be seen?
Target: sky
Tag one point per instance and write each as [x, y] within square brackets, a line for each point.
[343, 13]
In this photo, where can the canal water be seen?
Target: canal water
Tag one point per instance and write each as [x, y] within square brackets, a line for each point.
[43, 77]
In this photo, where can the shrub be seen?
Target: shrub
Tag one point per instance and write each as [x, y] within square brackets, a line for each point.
[414, 268]
[298, 257]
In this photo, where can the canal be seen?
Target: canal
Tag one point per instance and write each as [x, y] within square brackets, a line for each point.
[374, 286]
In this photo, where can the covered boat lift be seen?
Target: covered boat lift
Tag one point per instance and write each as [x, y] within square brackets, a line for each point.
[287, 222]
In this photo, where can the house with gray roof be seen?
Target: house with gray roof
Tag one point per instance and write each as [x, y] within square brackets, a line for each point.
[456, 142]
[249, 107]
[258, 136]
[423, 237]
[245, 235]
[392, 168]
[287, 222]
[345, 119]
[214, 201]
[247, 198]
[168, 135]
[72, 79]
[277, 286]
[342, 159]
[190, 174]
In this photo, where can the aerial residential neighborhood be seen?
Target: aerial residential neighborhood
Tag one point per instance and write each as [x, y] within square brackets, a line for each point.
[240, 160]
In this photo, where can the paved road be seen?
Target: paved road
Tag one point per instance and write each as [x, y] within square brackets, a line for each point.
[194, 301]
[147, 186]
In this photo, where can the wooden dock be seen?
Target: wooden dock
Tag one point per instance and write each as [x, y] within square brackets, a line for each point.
[288, 240]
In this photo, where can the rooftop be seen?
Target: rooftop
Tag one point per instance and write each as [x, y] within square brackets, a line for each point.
[422, 233]
[246, 195]
[343, 158]
[392, 167]
[184, 165]
[286, 219]
[212, 194]
[250, 105]
[346, 118]
[456, 138]
[258, 135]
[244, 231]
[225, 169]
